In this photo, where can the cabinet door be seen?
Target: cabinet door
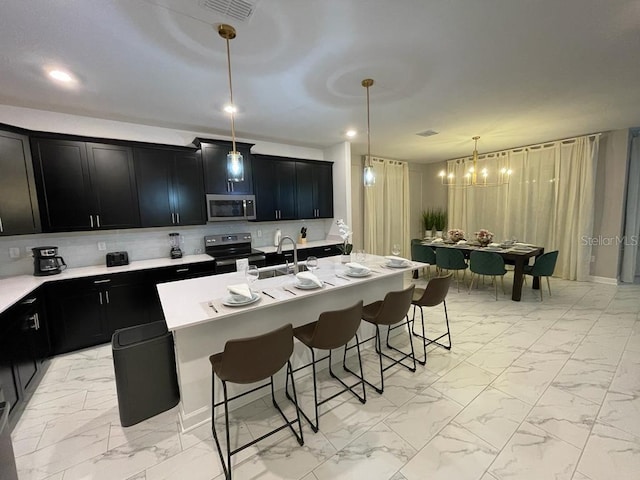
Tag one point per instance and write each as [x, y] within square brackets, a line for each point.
[305, 190]
[285, 174]
[113, 186]
[8, 380]
[214, 157]
[128, 305]
[153, 179]
[62, 176]
[323, 189]
[18, 202]
[265, 189]
[77, 319]
[188, 189]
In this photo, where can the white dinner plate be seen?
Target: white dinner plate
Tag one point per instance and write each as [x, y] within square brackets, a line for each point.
[230, 302]
[306, 286]
[352, 273]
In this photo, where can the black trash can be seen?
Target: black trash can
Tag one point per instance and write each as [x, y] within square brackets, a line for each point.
[145, 370]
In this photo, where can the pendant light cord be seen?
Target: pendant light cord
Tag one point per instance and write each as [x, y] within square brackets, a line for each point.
[233, 123]
[368, 130]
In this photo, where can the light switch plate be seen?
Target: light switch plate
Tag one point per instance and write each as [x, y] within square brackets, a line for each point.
[14, 252]
[102, 246]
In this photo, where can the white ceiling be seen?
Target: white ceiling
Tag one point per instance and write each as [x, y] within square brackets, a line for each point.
[515, 72]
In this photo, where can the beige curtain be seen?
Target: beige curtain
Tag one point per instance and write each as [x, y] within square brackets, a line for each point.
[549, 200]
[386, 208]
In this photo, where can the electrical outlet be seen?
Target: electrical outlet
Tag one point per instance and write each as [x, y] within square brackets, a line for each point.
[28, 251]
[102, 246]
[14, 252]
[259, 233]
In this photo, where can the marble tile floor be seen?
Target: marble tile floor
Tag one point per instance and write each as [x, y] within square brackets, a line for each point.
[530, 390]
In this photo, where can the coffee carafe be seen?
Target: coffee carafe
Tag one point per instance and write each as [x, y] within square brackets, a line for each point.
[174, 241]
[46, 261]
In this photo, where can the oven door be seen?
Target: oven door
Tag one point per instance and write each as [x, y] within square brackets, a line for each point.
[222, 208]
[228, 265]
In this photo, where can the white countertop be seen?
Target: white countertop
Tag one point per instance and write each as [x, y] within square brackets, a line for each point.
[13, 289]
[186, 302]
[287, 245]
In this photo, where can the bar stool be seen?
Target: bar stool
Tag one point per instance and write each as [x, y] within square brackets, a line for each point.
[390, 311]
[251, 360]
[434, 294]
[332, 330]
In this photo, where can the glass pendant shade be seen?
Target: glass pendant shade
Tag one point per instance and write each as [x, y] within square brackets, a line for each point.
[235, 167]
[369, 177]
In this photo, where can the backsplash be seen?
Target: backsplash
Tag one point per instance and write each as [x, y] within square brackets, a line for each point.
[80, 249]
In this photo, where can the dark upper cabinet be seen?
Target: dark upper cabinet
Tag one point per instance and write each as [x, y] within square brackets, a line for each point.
[170, 187]
[274, 188]
[18, 201]
[314, 189]
[214, 158]
[84, 186]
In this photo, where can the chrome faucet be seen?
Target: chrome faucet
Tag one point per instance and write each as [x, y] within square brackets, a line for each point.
[295, 251]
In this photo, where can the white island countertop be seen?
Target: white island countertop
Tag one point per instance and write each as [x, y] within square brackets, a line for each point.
[187, 303]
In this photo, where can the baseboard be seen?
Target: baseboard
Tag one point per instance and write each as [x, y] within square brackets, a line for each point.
[604, 280]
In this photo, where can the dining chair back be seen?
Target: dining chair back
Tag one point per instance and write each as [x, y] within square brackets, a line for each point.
[544, 266]
[451, 259]
[424, 254]
[434, 294]
[487, 263]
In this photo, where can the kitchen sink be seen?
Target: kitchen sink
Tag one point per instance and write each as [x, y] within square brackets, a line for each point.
[279, 270]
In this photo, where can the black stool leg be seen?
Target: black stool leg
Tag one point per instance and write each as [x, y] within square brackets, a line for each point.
[226, 466]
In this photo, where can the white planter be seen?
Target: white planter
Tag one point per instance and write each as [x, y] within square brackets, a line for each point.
[439, 234]
[345, 258]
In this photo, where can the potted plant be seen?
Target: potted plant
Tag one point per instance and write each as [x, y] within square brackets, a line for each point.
[434, 221]
[346, 247]
[427, 221]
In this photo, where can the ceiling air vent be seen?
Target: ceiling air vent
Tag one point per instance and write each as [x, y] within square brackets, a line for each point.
[427, 133]
[240, 10]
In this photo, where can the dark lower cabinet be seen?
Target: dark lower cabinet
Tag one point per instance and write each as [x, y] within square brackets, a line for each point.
[24, 344]
[85, 312]
[303, 253]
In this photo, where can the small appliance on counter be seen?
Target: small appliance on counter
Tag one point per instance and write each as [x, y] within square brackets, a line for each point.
[174, 241]
[117, 259]
[46, 261]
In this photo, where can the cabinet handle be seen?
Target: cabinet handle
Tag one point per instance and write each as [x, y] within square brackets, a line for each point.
[178, 217]
[106, 295]
[1, 226]
[91, 218]
[100, 293]
[173, 218]
[106, 280]
[328, 249]
[182, 270]
[34, 322]
[98, 220]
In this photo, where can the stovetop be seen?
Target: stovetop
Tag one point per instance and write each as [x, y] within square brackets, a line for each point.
[230, 245]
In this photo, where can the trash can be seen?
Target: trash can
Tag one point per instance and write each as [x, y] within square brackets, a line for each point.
[145, 371]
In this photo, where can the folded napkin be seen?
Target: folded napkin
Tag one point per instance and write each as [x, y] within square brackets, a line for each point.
[356, 267]
[240, 291]
[461, 242]
[519, 244]
[493, 244]
[306, 278]
[437, 240]
[396, 260]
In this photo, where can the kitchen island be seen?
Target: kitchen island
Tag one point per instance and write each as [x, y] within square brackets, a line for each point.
[201, 323]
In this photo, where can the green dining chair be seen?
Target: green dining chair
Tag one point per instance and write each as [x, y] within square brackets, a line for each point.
[544, 266]
[487, 263]
[451, 259]
[424, 254]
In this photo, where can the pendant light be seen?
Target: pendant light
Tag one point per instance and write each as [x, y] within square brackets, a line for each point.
[235, 166]
[369, 175]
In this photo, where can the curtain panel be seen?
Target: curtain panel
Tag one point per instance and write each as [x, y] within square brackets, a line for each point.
[386, 208]
[549, 200]
[630, 258]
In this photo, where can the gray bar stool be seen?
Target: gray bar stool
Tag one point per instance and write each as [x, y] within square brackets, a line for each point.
[251, 360]
[434, 294]
[332, 330]
[390, 311]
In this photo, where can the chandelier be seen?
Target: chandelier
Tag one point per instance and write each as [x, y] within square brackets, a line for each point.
[235, 166]
[474, 177]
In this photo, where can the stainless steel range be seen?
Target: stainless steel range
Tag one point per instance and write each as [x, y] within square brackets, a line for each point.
[227, 248]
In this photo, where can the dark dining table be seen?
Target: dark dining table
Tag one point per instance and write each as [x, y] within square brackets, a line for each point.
[517, 255]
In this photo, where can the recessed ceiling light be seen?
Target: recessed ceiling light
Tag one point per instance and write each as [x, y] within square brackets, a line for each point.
[351, 133]
[61, 76]
[230, 109]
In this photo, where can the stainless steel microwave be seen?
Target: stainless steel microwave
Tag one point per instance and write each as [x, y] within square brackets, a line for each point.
[222, 208]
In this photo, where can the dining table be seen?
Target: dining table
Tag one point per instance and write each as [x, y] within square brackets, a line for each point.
[517, 254]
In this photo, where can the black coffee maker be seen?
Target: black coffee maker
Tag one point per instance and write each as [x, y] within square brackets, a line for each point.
[46, 261]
